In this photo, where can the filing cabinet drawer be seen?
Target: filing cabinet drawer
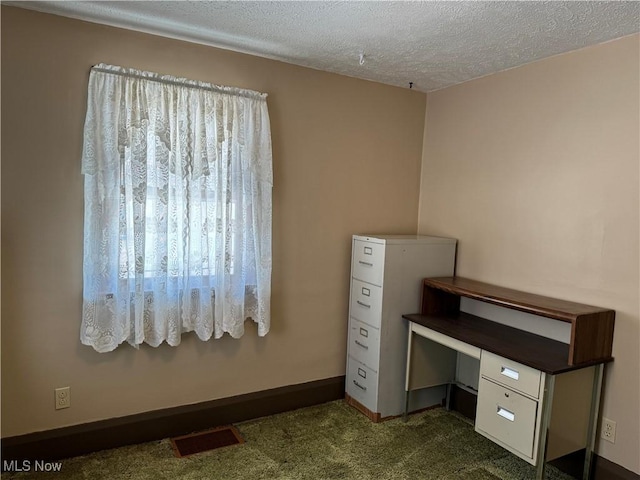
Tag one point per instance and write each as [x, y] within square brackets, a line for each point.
[511, 374]
[366, 302]
[368, 261]
[362, 384]
[506, 416]
[364, 344]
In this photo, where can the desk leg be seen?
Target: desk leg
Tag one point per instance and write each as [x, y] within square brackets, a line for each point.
[593, 420]
[405, 415]
[407, 381]
[545, 420]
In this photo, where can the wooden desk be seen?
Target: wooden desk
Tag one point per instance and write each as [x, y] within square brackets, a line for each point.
[537, 397]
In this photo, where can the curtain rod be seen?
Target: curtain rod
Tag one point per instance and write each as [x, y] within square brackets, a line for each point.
[195, 84]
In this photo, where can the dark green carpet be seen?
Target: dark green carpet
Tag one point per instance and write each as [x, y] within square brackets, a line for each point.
[330, 441]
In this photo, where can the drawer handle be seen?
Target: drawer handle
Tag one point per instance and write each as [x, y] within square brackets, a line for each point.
[363, 304]
[504, 413]
[361, 345]
[367, 264]
[509, 372]
[359, 386]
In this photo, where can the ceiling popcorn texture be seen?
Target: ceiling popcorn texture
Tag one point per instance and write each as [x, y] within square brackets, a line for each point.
[432, 44]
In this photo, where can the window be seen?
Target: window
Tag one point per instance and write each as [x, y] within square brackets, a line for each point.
[178, 182]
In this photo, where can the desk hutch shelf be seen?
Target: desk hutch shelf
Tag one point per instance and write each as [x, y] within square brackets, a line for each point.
[591, 327]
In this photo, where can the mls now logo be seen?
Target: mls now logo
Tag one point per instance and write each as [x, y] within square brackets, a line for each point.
[28, 466]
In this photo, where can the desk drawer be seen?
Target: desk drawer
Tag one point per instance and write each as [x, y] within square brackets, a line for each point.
[362, 384]
[366, 302]
[506, 416]
[364, 343]
[511, 374]
[368, 261]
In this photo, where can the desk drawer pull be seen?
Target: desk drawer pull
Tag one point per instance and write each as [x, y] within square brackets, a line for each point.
[359, 386]
[504, 413]
[366, 264]
[509, 372]
[363, 304]
[362, 345]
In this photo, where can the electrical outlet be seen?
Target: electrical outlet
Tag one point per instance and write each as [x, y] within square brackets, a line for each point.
[63, 397]
[608, 430]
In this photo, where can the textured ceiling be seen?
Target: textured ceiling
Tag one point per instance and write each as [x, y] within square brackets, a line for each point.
[432, 44]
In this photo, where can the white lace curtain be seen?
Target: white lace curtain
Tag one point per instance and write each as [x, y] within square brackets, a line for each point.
[177, 228]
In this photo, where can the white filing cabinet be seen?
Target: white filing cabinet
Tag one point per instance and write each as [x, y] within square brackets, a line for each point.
[386, 282]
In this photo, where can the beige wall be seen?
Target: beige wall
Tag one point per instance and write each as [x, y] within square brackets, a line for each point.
[535, 171]
[347, 159]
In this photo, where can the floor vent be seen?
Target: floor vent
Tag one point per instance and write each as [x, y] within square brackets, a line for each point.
[203, 441]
